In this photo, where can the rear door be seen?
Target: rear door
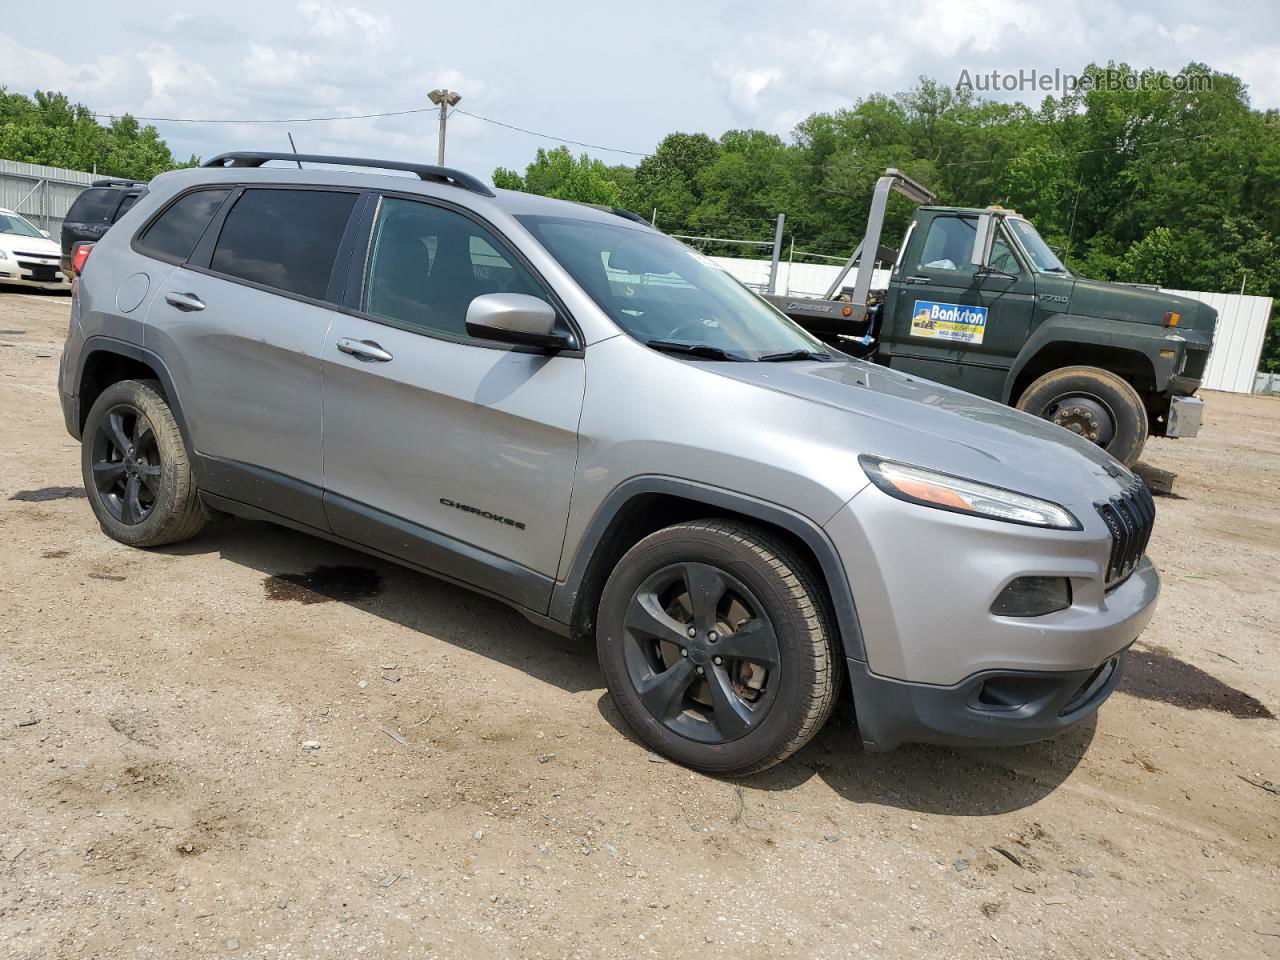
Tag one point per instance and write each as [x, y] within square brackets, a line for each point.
[952, 324]
[451, 452]
[242, 322]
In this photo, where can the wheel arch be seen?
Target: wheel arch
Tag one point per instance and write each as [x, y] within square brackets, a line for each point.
[642, 505]
[1132, 366]
[106, 360]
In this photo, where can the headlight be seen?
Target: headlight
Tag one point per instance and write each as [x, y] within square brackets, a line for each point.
[932, 489]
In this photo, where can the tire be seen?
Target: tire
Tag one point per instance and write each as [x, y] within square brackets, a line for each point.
[744, 713]
[137, 475]
[1094, 403]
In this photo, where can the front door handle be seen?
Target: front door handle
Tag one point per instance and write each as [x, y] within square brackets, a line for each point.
[917, 279]
[187, 302]
[365, 350]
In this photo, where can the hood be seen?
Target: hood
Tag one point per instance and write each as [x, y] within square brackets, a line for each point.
[38, 245]
[1118, 301]
[917, 421]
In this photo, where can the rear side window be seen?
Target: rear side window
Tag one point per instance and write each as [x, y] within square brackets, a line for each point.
[285, 239]
[129, 200]
[174, 234]
[95, 205]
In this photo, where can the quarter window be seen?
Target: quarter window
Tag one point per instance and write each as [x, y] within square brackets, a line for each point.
[285, 239]
[175, 232]
[427, 264]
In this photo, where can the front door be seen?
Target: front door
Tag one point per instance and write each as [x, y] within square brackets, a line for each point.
[952, 323]
[453, 453]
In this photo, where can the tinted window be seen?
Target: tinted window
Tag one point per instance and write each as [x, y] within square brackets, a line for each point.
[285, 239]
[949, 244]
[427, 265]
[94, 206]
[129, 200]
[175, 233]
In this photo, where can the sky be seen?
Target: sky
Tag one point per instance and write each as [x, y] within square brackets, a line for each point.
[612, 75]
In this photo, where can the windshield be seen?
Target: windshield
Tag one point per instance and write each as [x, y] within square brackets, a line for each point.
[12, 223]
[1042, 258]
[667, 295]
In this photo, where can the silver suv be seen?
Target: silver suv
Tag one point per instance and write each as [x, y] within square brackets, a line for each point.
[560, 407]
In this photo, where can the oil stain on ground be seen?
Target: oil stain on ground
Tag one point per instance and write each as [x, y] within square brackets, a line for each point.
[324, 583]
[1155, 674]
[48, 493]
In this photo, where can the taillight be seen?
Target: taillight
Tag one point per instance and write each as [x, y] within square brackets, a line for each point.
[80, 258]
[1172, 319]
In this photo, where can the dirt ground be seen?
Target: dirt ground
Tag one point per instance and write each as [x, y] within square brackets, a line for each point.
[223, 749]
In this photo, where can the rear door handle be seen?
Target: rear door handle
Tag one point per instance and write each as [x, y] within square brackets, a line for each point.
[187, 302]
[365, 350]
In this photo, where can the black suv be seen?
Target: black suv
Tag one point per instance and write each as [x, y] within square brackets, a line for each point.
[105, 202]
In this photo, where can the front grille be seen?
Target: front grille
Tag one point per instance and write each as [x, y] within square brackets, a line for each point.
[1130, 517]
[1193, 368]
[39, 256]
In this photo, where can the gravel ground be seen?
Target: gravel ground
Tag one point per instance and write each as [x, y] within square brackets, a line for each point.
[223, 749]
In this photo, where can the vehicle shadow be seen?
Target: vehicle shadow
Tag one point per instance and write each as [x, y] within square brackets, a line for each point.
[959, 782]
[418, 602]
[966, 782]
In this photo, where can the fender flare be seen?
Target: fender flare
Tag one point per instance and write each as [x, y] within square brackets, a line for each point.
[103, 344]
[1121, 335]
[564, 596]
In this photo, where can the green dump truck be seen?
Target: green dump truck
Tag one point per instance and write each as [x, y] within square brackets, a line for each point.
[977, 300]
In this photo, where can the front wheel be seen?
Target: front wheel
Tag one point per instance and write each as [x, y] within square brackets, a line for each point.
[717, 647]
[1094, 403]
[137, 475]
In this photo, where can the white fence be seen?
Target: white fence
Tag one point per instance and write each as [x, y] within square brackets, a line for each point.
[1233, 362]
[41, 194]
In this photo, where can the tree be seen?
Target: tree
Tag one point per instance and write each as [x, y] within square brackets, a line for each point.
[558, 173]
[49, 129]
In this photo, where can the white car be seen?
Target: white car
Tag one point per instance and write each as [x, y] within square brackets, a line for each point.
[27, 256]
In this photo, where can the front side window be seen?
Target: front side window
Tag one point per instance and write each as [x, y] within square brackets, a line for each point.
[286, 239]
[949, 244]
[12, 223]
[1002, 256]
[174, 234]
[663, 293]
[426, 265]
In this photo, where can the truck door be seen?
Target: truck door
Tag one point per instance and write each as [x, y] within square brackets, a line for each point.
[951, 323]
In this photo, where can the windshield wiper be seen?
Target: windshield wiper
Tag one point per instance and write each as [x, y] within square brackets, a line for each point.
[703, 350]
[795, 355]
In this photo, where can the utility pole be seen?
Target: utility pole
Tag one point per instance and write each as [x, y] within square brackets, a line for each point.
[777, 254]
[444, 99]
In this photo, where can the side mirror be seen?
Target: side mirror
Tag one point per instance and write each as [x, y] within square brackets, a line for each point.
[45, 234]
[516, 318]
[982, 240]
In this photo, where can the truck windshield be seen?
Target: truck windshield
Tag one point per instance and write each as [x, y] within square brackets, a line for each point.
[12, 223]
[669, 296]
[1042, 258]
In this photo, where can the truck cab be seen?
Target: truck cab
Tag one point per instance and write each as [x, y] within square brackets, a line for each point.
[977, 300]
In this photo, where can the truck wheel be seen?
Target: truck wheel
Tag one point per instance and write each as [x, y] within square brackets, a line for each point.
[717, 647]
[1094, 403]
[137, 475]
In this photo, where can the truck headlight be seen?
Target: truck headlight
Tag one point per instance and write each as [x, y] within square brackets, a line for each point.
[945, 492]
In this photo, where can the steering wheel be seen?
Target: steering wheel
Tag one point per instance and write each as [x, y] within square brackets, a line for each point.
[690, 325]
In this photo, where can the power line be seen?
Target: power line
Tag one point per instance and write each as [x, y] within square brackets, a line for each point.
[359, 116]
[548, 136]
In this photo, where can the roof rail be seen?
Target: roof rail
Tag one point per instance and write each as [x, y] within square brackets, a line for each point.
[424, 171]
[119, 183]
[617, 212]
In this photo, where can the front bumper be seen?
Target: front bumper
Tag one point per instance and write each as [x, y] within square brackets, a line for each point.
[992, 708]
[31, 270]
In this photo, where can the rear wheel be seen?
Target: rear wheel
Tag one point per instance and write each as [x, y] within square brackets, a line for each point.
[1094, 403]
[137, 475]
[717, 647]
